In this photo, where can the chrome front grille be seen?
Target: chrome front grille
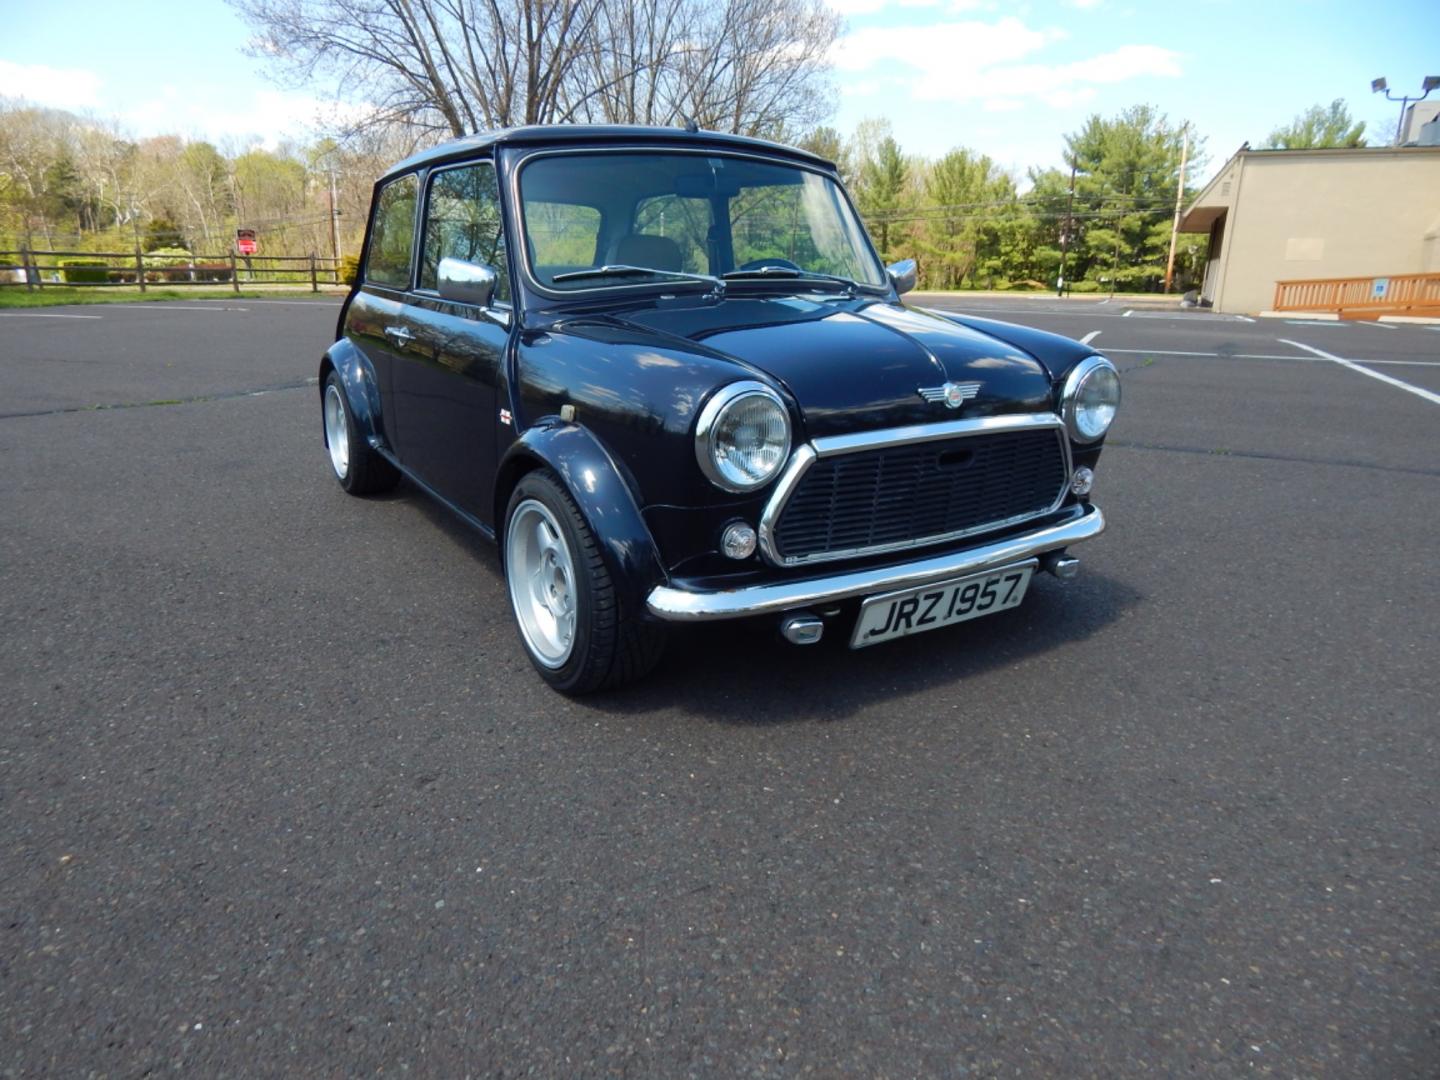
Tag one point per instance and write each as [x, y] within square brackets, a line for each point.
[887, 491]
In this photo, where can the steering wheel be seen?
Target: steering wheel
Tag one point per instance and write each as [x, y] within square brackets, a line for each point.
[761, 264]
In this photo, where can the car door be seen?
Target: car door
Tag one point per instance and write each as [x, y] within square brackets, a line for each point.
[375, 321]
[445, 378]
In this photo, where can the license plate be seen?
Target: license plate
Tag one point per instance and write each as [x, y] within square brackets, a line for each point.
[913, 611]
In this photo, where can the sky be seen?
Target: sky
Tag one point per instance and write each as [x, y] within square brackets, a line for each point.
[1005, 79]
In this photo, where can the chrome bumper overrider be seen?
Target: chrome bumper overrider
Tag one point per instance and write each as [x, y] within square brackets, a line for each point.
[683, 605]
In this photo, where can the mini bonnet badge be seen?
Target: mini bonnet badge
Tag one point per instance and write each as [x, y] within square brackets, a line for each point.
[953, 394]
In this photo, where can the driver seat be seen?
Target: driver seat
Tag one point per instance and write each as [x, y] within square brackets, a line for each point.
[643, 249]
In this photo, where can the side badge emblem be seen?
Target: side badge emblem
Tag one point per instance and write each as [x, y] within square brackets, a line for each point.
[953, 394]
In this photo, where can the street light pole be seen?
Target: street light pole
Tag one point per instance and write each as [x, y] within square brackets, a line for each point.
[1380, 86]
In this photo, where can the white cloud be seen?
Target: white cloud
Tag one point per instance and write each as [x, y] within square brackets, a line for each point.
[993, 63]
[60, 88]
[269, 116]
[940, 48]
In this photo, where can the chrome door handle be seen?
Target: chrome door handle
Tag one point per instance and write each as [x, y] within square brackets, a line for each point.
[399, 335]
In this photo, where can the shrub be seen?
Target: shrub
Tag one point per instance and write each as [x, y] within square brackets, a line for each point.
[1085, 286]
[212, 271]
[168, 264]
[83, 272]
[349, 269]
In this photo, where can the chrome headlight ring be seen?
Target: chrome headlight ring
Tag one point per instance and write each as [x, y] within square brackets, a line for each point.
[727, 465]
[1090, 399]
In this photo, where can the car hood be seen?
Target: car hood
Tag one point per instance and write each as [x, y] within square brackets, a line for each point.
[860, 365]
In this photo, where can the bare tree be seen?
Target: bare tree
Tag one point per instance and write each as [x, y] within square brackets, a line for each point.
[459, 66]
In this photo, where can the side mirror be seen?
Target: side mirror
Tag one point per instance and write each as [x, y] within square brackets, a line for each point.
[901, 274]
[466, 283]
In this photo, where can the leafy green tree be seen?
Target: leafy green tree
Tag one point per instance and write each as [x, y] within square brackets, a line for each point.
[881, 190]
[826, 142]
[962, 194]
[1126, 172]
[1317, 127]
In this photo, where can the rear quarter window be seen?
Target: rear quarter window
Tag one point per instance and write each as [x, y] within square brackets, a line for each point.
[392, 234]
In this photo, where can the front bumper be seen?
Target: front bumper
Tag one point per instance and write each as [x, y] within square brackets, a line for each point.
[687, 605]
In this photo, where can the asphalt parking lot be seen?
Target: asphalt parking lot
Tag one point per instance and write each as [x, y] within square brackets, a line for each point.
[280, 794]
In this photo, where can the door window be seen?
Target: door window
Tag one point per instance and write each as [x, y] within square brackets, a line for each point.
[392, 234]
[462, 221]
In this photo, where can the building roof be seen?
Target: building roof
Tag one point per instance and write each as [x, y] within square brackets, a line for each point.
[1214, 199]
[596, 134]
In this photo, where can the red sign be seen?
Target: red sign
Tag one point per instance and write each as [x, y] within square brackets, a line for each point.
[245, 242]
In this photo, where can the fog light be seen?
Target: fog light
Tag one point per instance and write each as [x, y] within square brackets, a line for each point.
[738, 540]
[1082, 481]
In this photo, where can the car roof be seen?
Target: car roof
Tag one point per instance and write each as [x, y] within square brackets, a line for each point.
[595, 135]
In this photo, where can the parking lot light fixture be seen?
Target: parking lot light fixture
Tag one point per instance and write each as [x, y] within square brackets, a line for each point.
[1380, 86]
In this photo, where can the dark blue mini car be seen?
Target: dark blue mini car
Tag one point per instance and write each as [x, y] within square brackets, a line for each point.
[667, 371]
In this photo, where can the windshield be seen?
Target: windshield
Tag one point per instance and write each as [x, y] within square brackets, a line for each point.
[676, 214]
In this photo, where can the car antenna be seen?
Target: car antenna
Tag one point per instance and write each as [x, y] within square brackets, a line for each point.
[690, 125]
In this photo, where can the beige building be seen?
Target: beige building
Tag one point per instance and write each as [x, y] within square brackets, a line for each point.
[1283, 215]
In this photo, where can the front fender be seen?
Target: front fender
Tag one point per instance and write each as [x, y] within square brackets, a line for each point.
[606, 502]
[357, 376]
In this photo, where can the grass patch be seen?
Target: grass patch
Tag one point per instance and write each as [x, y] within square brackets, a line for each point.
[56, 295]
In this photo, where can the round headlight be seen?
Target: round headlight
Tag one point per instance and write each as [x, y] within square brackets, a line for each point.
[1090, 398]
[743, 436]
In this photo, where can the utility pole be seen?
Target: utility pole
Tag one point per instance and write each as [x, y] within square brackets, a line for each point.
[1065, 236]
[1179, 195]
[334, 225]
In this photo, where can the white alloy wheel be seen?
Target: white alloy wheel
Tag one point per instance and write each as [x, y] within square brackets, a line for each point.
[541, 574]
[337, 431]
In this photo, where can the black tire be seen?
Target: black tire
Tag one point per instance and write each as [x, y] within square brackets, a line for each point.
[362, 471]
[609, 646]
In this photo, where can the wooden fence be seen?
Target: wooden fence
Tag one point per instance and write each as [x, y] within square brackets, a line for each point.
[101, 269]
[1362, 297]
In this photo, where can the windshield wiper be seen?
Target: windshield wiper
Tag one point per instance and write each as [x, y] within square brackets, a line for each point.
[625, 270]
[786, 273]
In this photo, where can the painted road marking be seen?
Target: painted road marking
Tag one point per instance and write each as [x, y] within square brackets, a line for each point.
[1128, 314]
[1265, 356]
[1377, 325]
[1433, 398]
[1091, 336]
[1244, 318]
[39, 315]
[176, 307]
[303, 303]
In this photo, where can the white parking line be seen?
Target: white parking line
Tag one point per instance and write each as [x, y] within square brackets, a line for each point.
[1244, 318]
[39, 315]
[302, 303]
[1376, 325]
[1264, 356]
[176, 307]
[1433, 398]
[1128, 314]
[1091, 336]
